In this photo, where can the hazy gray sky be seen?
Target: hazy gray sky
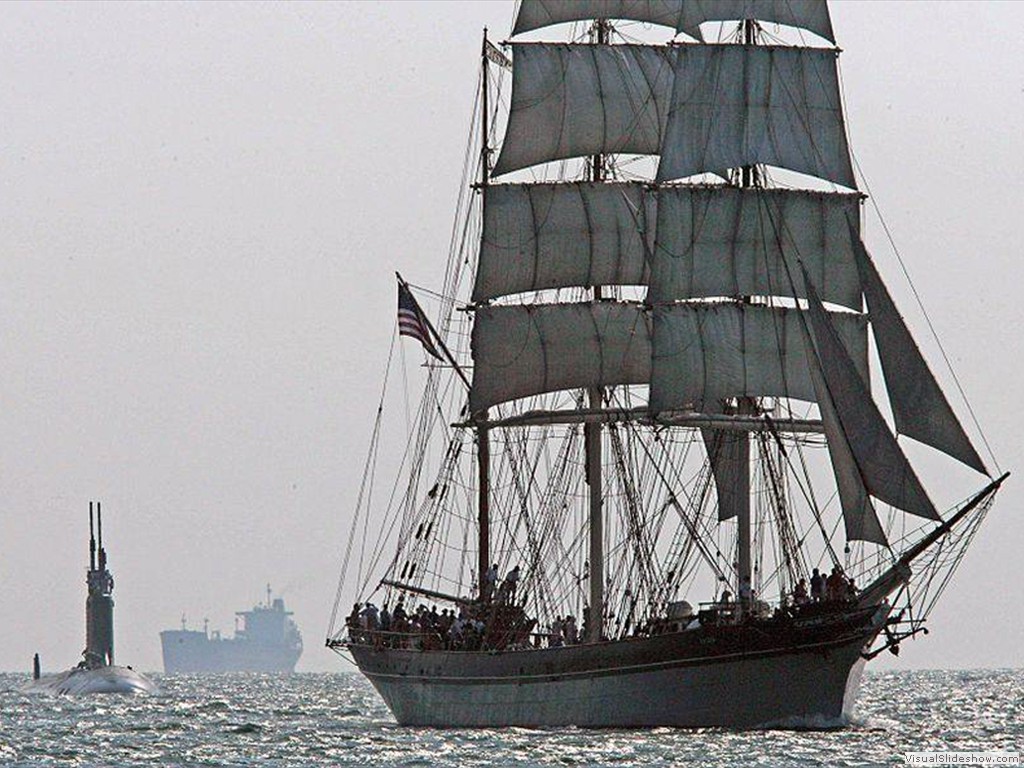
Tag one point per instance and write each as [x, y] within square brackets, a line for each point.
[201, 210]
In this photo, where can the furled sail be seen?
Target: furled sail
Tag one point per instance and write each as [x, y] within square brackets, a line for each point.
[811, 15]
[539, 236]
[735, 105]
[728, 241]
[729, 454]
[574, 100]
[884, 470]
[523, 350]
[706, 352]
[918, 405]
[534, 14]
[682, 15]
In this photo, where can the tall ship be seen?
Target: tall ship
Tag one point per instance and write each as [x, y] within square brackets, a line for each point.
[650, 480]
[96, 672]
[267, 641]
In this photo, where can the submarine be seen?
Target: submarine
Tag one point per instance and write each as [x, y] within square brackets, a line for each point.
[96, 672]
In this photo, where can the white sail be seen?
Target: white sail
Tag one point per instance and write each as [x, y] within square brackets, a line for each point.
[919, 407]
[523, 350]
[535, 14]
[539, 236]
[726, 241]
[729, 455]
[859, 517]
[574, 100]
[811, 15]
[736, 106]
[706, 352]
[884, 470]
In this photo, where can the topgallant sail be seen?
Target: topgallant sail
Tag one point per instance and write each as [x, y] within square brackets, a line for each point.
[648, 483]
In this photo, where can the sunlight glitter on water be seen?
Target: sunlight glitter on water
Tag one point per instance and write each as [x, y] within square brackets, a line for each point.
[302, 720]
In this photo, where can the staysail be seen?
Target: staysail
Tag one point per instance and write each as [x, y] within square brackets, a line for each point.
[859, 517]
[919, 407]
[884, 470]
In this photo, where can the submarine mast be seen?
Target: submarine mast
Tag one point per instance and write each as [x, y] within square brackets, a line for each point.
[99, 605]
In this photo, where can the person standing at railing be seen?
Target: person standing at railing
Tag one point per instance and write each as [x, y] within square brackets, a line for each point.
[817, 586]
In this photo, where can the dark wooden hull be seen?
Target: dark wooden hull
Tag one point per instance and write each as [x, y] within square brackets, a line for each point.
[801, 672]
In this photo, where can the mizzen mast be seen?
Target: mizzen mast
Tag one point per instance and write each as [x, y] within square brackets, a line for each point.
[592, 435]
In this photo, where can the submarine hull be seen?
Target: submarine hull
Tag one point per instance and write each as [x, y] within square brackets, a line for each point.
[85, 682]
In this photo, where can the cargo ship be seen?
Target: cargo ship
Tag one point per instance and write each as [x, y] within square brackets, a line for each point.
[268, 641]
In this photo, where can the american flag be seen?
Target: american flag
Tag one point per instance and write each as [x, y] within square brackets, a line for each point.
[411, 321]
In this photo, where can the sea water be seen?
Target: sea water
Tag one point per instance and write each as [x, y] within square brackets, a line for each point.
[338, 719]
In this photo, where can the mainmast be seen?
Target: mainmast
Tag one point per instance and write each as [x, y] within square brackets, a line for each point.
[483, 439]
[744, 568]
[592, 437]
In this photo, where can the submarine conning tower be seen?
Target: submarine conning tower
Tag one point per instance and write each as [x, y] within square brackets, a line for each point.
[99, 605]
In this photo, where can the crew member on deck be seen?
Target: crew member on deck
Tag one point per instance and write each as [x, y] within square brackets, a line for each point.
[490, 579]
[817, 586]
[800, 593]
[835, 584]
[509, 586]
[746, 591]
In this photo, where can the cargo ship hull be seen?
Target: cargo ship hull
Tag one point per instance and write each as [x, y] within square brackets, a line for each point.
[191, 652]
